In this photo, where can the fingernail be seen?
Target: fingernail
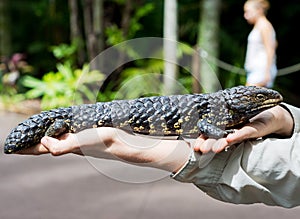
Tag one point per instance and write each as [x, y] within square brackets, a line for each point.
[205, 149]
[44, 140]
[218, 146]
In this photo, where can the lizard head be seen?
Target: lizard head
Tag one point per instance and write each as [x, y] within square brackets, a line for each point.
[248, 101]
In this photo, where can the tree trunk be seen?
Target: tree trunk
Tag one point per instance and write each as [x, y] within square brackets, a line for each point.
[195, 72]
[93, 25]
[97, 36]
[98, 25]
[126, 17]
[170, 46]
[5, 36]
[208, 43]
[75, 30]
[88, 26]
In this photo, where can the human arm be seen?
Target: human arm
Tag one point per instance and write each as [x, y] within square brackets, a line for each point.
[110, 143]
[256, 171]
[270, 44]
[253, 171]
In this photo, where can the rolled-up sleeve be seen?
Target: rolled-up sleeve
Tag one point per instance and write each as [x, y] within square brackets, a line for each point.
[258, 171]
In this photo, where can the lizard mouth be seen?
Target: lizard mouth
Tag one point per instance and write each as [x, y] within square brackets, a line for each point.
[269, 103]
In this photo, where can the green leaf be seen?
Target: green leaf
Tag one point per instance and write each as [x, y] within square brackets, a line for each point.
[34, 93]
[31, 82]
[65, 70]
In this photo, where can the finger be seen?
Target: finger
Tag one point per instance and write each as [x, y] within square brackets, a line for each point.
[199, 141]
[244, 133]
[67, 144]
[35, 150]
[219, 145]
[206, 146]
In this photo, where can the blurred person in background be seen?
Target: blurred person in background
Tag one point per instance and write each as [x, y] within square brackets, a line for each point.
[260, 62]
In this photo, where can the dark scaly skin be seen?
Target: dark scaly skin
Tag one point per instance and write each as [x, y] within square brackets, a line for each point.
[178, 115]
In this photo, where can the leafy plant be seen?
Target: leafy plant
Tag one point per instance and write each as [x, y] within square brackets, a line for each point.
[116, 35]
[144, 78]
[65, 52]
[64, 87]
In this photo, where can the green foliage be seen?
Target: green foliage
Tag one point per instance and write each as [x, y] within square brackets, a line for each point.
[64, 52]
[6, 90]
[135, 24]
[63, 88]
[144, 77]
[116, 35]
[143, 80]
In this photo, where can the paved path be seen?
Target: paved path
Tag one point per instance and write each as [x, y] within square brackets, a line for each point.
[33, 187]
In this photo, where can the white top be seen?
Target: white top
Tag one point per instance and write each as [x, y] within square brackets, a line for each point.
[256, 56]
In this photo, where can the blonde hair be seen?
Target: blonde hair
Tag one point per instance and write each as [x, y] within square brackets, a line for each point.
[263, 4]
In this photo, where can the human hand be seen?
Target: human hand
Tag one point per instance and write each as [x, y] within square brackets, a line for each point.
[91, 142]
[67, 143]
[276, 120]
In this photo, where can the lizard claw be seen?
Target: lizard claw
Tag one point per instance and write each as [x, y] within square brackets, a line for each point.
[229, 131]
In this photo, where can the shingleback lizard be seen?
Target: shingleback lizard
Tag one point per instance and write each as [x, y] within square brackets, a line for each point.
[212, 114]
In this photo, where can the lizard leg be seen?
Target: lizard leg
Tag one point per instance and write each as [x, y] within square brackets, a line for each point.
[210, 130]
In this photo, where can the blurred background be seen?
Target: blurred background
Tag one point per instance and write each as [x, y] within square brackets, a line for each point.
[48, 44]
[48, 59]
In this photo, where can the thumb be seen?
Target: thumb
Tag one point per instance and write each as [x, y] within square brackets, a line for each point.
[55, 146]
[247, 132]
[49, 142]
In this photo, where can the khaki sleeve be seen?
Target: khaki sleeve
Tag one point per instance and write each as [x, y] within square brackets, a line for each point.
[257, 171]
[295, 112]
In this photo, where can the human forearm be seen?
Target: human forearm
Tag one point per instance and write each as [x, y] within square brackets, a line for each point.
[295, 114]
[283, 122]
[111, 143]
[168, 155]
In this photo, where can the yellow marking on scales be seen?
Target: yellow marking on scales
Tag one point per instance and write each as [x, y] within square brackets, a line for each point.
[194, 130]
[220, 123]
[167, 132]
[123, 124]
[179, 131]
[136, 129]
[176, 125]
[130, 120]
[100, 122]
[187, 118]
[151, 131]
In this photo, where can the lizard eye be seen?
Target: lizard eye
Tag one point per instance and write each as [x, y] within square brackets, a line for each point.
[260, 96]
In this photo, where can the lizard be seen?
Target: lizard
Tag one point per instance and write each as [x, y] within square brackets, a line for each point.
[212, 114]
